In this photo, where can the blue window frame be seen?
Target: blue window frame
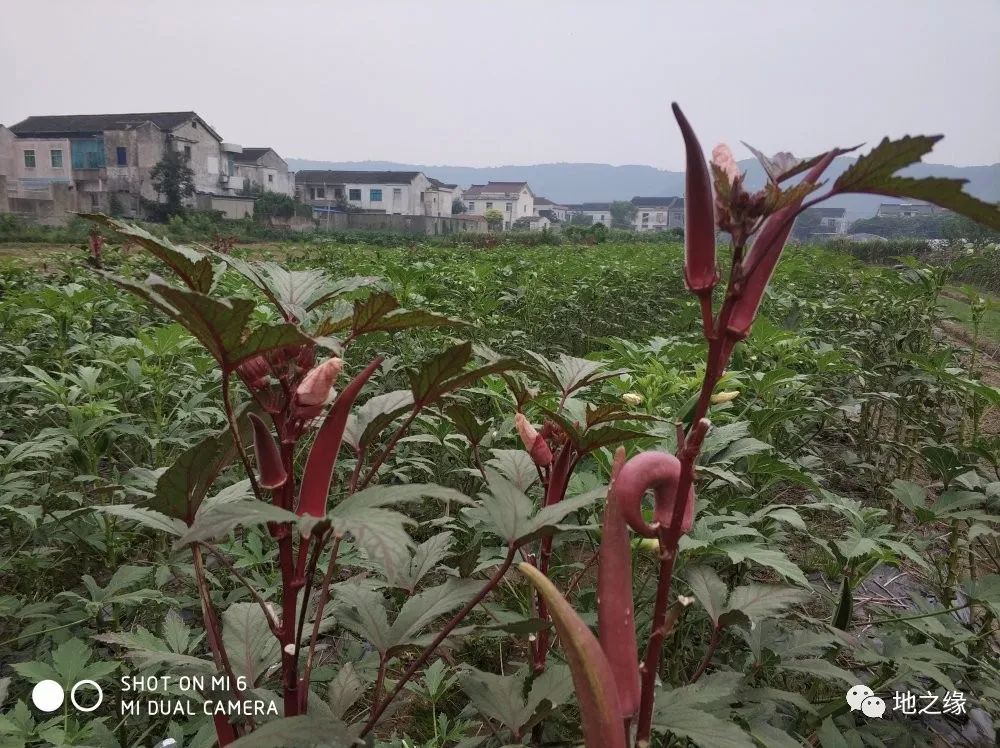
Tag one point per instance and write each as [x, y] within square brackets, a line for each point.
[375, 195]
[121, 156]
[87, 154]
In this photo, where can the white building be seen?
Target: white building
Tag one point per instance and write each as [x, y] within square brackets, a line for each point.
[551, 210]
[439, 198]
[262, 170]
[658, 213]
[406, 193]
[599, 212]
[513, 199]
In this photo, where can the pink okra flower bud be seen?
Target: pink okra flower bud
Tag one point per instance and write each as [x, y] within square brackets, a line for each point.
[724, 161]
[660, 472]
[269, 465]
[536, 445]
[316, 388]
[760, 262]
[700, 271]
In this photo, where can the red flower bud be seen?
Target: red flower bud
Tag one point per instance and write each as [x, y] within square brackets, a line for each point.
[660, 472]
[615, 614]
[317, 386]
[272, 471]
[700, 271]
[536, 445]
[763, 258]
[254, 372]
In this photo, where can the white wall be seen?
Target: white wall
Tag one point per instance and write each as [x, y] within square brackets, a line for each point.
[520, 206]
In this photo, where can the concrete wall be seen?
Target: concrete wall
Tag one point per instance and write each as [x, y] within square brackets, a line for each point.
[232, 208]
[521, 205]
[270, 174]
[420, 225]
[207, 159]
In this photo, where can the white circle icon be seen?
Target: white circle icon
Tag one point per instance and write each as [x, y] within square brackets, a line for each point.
[100, 695]
[857, 695]
[873, 706]
[47, 695]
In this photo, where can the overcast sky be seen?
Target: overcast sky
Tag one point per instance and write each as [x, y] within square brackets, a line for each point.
[522, 81]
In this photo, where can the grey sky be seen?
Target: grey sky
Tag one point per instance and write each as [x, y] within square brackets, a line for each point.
[520, 81]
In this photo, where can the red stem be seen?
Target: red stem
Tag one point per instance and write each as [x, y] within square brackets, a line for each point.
[442, 635]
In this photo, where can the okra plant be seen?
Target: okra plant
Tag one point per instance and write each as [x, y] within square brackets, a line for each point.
[291, 398]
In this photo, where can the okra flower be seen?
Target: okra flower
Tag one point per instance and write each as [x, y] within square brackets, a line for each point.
[723, 160]
[536, 445]
[632, 398]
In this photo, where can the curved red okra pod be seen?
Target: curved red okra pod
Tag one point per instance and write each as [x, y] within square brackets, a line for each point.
[660, 472]
[318, 473]
[269, 465]
[615, 614]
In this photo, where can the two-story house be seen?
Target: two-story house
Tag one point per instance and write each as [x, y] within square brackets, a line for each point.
[262, 170]
[598, 212]
[908, 210]
[397, 192]
[103, 161]
[554, 211]
[658, 213]
[514, 200]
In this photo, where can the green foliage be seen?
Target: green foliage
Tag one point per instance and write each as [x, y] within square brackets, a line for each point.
[173, 179]
[622, 214]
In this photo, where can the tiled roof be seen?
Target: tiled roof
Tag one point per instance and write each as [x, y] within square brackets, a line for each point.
[589, 206]
[66, 125]
[657, 202]
[317, 176]
[439, 183]
[827, 212]
[495, 188]
[251, 155]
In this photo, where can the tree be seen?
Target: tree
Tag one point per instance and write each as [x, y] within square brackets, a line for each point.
[622, 214]
[173, 179]
[494, 218]
[457, 206]
[807, 224]
[580, 219]
[275, 205]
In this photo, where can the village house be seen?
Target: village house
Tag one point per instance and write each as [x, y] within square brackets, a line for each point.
[102, 162]
[262, 170]
[514, 200]
[405, 193]
[599, 212]
[831, 220]
[908, 210]
[658, 213]
[548, 209]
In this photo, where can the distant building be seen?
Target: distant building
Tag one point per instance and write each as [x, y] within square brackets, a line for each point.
[599, 212]
[551, 210]
[100, 162]
[514, 200]
[262, 170]
[439, 198]
[402, 193]
[831, 220]
[908, 210]
[658, 213]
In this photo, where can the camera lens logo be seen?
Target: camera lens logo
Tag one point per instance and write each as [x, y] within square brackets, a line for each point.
[49, 695]
[863, 698]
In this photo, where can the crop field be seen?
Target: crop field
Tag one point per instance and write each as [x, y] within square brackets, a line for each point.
[844, 532]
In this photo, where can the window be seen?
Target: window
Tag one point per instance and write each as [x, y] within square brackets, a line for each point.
[397, 192]
[187, 152]
[121, 156]
[659, 218]
[472, 205]
[508, 207]
[338, 193]
[312, 193]
[270, 177]
[354, 194]
[56, 157]
[29, 159]
[489, 205]
[321, 193]
[375, 195]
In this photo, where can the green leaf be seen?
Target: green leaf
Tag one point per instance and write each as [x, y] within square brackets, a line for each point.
[819, 667]
[368, 421]
[874, 173]
[362, 611]
[570, 374]
[221, 519]
[466, 423]
[498, 697]
[421, 610]
[516, 466]
[704, 730]
[35, 671]
[251, 646]
[760, 601]
[146, 517]
[710, 590]
[829, 735]
[424, 558]
[740, 552]
[344, 690]
[307, 731]
[175, 632]
[70, 660]
[193, 268]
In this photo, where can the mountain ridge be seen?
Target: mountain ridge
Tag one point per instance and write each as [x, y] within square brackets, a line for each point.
[573, 182]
